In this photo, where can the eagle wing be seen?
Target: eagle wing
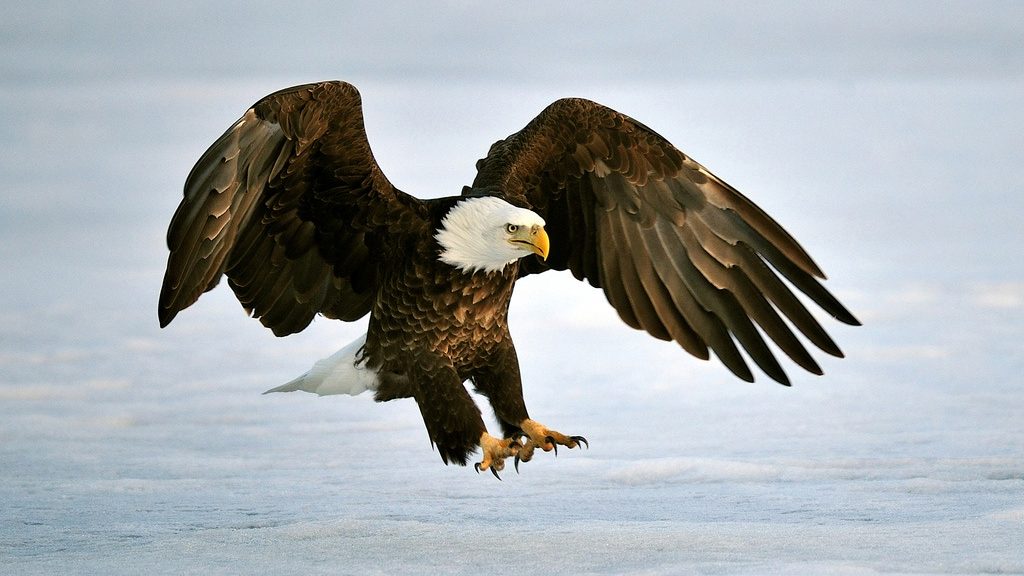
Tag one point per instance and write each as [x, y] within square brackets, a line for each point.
[285, 203]
[678, 252]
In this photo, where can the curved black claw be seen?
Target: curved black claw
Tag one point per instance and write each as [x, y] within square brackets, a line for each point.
[580, 440]
[551, 441]
[517, 463]
[492, 469]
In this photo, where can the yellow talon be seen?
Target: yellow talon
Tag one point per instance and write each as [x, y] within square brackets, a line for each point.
[495, 450]
[547, 439]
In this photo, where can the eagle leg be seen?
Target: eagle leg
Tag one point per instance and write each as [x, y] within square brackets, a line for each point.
[540, 436]
[495, 450]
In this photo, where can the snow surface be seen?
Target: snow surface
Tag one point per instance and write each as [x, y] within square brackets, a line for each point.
[888, 140]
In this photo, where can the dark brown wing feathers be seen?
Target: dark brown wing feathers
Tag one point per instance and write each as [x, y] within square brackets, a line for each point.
[283, 204]
[678, 252]
[288, 201]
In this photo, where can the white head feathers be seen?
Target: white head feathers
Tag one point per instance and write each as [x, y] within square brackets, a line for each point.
[475, 233]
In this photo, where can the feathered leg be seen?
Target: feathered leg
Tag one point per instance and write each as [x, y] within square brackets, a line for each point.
[504, 389]
[452, 419]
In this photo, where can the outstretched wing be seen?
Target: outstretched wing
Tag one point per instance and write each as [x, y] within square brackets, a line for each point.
[286, 203]
[678, 252]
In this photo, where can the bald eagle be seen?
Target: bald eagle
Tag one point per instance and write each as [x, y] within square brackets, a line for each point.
[290, 204]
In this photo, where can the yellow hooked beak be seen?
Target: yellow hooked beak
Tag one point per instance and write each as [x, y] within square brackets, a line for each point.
[534, 239]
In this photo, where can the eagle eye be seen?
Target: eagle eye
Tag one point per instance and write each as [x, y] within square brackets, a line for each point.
[511, 228]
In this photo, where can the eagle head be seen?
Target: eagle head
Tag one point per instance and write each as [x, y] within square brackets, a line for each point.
[487, 233]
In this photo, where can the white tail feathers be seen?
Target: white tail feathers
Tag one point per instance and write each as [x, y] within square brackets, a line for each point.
[336, 374]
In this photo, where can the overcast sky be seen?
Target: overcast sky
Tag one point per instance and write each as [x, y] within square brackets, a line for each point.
[517, 42]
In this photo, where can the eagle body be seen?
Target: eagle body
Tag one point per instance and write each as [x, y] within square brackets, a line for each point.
[290, 205]
[433, 327]
[428, 333]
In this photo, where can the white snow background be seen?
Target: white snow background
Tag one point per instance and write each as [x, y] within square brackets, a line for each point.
[889, 139]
